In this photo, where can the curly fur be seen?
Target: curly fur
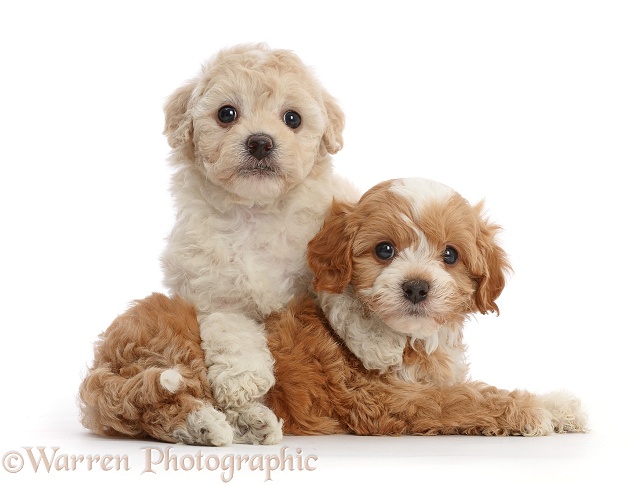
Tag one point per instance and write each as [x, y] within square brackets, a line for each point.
[364, 359]
[237, 249]
[343, 364]
[148, 378]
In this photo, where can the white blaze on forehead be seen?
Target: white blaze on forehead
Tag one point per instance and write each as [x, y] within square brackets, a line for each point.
[420, 191]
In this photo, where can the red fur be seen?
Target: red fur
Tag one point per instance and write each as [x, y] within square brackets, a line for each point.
[321, 386]
[122, 395]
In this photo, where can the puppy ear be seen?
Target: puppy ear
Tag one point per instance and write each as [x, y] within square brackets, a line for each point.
[332, 138]
[329, 252]
[178, 120]
[491, 268]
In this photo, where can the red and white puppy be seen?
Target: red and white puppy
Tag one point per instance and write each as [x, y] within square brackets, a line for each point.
[381, 351]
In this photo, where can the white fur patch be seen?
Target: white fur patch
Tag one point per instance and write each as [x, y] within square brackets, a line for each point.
[376, 345]
[171, 380]
[420, 191]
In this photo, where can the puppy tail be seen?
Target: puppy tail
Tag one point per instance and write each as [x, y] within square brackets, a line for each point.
[113, 405]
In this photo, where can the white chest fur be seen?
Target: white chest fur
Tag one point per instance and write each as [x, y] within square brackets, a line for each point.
[381, 348]
[238, 259]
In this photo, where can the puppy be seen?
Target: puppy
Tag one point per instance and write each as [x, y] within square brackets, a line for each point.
[378, 352]
[381, 352]
[252, 136]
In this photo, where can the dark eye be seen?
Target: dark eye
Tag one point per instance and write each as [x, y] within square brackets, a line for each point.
[450, 255]
[385, 250]
[292, 119]
[227, 114]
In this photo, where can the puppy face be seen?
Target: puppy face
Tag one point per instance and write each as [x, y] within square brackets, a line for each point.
[255, 121]
[416, 254]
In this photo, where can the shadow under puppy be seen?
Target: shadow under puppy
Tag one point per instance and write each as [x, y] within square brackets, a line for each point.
[379, 351]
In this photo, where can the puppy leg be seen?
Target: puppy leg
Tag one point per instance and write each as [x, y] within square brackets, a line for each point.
[470, 408]
[477, 408]
[240, 365]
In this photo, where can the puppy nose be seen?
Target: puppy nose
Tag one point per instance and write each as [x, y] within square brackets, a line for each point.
[259, 146]
[416, 290]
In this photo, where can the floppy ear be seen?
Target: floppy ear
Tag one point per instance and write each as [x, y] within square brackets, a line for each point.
[491, 268]
[178, 120]
[332, 138]
[329, 252]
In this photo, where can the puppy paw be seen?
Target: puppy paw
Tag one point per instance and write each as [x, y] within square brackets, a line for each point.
[238, 390]
[206, 426]
[536, 422]
[566, 411]
[526, 415]
[255, 424]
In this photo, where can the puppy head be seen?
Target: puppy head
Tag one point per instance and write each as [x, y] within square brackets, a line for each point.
[255, 121]
[415, 253]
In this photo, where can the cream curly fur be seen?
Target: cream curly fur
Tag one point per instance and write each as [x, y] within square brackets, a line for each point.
[237, 249]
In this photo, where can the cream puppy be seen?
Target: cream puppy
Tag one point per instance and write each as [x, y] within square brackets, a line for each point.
[252, 136]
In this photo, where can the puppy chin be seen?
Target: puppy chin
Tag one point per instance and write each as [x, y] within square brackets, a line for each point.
[396, 312]
[259, 188]
[248, 183]
[257, 181]
[417, 326]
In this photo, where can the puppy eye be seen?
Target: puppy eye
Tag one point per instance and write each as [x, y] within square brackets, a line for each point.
[450, 255]
[227, 114]
[292, 119]
[385, 251]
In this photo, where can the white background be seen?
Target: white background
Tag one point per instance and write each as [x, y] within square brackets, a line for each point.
[525, 104]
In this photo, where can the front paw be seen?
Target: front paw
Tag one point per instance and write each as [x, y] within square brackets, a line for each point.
[535, 422]
[236, 390]
[567, 413]
[255, 424]
[205, 426]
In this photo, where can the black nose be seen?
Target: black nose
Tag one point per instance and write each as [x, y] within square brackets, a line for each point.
[259, 146]
[416, 290]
